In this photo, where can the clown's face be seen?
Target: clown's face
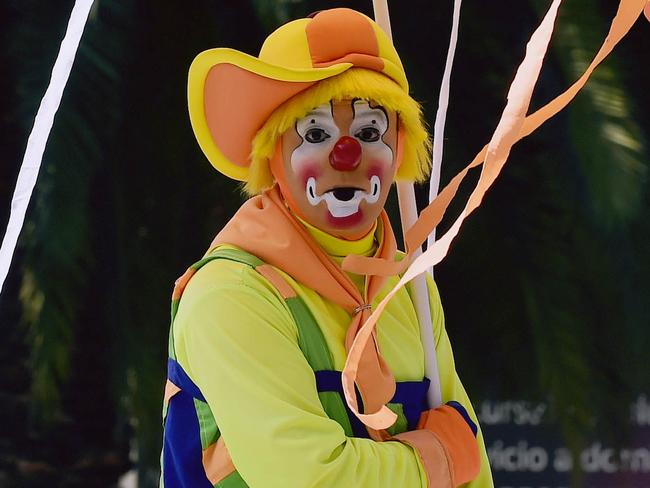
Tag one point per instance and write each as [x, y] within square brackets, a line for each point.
[338, 164]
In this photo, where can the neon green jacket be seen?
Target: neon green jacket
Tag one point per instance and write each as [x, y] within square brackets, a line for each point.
[237, 341]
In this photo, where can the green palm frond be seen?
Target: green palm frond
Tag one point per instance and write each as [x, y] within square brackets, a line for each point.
[59, 258]
[607, 139]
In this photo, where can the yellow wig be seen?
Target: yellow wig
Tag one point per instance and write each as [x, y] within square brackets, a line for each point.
[353, 83]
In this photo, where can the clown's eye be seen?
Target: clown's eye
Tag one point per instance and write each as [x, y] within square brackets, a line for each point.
[368, 134]
[316, 135]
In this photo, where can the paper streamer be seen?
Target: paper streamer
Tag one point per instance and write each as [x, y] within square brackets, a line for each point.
[408, 217]
[627, 14]
[40, 132]
[441, 116]
[505, 135]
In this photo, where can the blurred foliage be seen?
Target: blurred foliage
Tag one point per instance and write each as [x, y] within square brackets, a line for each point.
[125, 201]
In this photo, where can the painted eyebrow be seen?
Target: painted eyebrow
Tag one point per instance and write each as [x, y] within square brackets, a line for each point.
[376, 108]
[319, 111]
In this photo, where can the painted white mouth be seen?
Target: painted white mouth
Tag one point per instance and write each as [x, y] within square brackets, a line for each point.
[343, 208]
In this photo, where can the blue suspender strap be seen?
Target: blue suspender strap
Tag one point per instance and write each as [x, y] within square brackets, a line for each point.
[412, 395]
[461, 410]
[179, 377]
[331, 381]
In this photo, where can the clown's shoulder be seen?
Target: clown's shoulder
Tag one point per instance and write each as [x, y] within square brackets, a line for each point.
[229, 289]
[216, 294]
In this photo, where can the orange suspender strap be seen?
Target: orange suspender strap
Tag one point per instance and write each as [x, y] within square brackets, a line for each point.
[276, 279]
[170, 390]
[217, 462]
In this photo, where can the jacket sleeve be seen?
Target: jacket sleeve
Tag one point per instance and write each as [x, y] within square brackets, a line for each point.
[235, 338]
[450, 384]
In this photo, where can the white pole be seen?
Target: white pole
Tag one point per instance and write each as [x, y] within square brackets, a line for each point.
[40, 132]
[408, 215]
[441, 117]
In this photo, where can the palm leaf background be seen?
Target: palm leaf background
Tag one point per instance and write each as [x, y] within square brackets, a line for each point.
[545, 290]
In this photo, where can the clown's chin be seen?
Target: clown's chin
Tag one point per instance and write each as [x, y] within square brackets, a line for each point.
[345, 222]
[343, 204]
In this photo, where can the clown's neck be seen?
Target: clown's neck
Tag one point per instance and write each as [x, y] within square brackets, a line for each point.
[337, 248]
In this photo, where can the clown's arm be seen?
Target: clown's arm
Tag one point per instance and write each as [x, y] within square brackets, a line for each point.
[236, 339]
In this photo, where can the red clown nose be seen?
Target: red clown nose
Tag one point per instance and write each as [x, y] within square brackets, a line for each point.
[346, 154]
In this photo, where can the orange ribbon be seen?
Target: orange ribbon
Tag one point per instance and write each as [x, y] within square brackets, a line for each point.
[628, 12]
[513, 126]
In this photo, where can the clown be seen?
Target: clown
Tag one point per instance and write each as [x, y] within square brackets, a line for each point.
[317, 127]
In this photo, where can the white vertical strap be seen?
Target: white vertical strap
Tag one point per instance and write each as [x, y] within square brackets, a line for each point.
[40, 132]
[408, 216]
[441, 116]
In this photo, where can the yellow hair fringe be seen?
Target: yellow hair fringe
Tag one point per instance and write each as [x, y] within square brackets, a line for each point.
[353, 83]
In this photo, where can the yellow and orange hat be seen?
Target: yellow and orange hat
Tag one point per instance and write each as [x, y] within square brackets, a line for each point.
[231, 94]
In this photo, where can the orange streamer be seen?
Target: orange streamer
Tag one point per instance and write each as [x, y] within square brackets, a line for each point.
[513, 126]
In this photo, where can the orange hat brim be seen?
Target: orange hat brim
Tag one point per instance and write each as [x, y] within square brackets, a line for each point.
[230, 96]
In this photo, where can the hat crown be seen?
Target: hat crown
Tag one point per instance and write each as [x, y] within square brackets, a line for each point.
[329, 37]
[287, 46]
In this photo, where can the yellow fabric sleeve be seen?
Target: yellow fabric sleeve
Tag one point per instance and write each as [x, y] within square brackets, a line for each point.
[235, 338]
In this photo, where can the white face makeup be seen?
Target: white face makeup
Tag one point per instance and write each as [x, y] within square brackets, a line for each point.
[339, 165]
[319, 133]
